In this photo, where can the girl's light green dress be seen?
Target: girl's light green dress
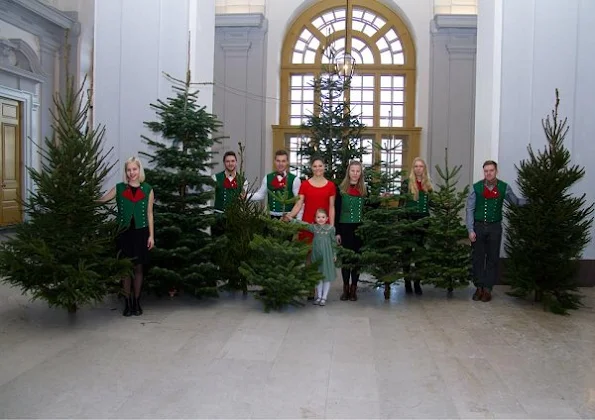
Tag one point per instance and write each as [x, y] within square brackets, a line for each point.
[323, 249]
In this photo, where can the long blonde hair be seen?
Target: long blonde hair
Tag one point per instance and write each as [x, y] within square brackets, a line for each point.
[141, 170]
[426, 182]
[360, 186]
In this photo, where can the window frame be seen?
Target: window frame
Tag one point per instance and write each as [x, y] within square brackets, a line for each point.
[408, 132]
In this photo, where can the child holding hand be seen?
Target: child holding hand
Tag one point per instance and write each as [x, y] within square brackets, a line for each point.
[323, 251]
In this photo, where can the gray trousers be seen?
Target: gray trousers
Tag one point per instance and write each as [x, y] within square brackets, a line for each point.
[486, 253]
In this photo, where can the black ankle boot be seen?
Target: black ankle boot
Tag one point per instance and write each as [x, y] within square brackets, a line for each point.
[127, 306]
[136, 309]
[408, 288]
[417, 287]
[345, 295]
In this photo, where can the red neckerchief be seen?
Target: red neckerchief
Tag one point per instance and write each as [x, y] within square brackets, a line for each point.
[493, 193]
[420, 186]
[230, 185]
[279, 184]
[353, 191]
[138, 196]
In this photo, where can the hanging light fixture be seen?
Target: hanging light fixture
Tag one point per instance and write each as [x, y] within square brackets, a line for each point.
[345, 65]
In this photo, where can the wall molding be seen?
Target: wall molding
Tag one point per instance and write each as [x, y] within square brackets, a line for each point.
[455, 22]
[240, 20]
[47, 12]
[37, 18]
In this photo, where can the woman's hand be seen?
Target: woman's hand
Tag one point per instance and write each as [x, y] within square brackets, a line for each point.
[338, 238]
[150, 243]
[287, 217]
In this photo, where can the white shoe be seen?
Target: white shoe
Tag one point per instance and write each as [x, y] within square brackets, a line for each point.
[317, 301]
[322, 302]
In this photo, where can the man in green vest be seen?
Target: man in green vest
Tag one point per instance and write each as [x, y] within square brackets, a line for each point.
[279, 181]
[226, 189]
[484, 224]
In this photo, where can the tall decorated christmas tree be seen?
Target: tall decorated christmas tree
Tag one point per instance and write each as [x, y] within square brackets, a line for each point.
[545, 238]
[64, 252]
[181, 161]
[446, 260]
[334, 130]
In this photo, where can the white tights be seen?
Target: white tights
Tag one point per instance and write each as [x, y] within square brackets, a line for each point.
[322, 289]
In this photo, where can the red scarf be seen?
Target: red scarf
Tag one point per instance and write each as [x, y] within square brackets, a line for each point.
[493, 193]
[420, 186]
[138, 196]
[227, 184]
[279, 184]
[353, 191]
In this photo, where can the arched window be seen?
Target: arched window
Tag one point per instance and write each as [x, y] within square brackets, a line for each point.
[382, 89]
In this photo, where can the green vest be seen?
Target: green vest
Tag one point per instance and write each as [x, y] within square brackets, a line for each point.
[489, 209]
[421, 205]
[224, 196]
[276, 205]
[352, 208]
[128, 208]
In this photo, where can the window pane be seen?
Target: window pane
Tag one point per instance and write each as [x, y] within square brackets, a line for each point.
[382, 44]
[368, 96]
[297, 58]
[399, 59]
[391, 35]
[391, 156]
[356, 95]
[367, 56]
[358, 26]
[309, 57]
[308, 95]
[369, 30]
[386, 57]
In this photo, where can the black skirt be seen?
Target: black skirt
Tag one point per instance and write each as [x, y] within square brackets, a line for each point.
[132, 243]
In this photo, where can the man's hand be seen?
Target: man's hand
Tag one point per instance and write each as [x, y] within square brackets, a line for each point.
[472, 236]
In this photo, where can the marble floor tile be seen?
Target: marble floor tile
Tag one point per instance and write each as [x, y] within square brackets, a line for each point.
[407, 357]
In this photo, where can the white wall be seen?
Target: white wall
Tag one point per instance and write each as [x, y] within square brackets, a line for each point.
[417, 13]
[548, 44]
[135, 41]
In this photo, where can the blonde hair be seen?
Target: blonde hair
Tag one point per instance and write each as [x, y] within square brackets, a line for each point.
[360, 186]
[321, 210]
[426, 182]
[141, 170]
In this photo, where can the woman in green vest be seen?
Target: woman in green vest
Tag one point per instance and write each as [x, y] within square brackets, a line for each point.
[416, 191]
[349, 210]
[134, 199]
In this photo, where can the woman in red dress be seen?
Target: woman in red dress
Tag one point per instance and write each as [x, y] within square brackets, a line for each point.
[315, 193]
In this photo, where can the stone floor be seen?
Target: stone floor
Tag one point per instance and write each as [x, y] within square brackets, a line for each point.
[410, 357]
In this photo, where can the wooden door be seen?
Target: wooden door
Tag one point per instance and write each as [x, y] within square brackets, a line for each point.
[10, 162]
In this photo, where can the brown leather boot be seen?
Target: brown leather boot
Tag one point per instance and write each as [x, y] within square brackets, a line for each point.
[345, 295]
[487, 295]
[478, 294]
[386, 291]
[353, 292]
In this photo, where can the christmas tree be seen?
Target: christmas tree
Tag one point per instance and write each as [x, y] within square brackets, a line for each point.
[277, 265]
[383, 230]
[181, 162]
[446, 260]
[545, 238]
[64, 252]
[241, 221]
[335, 133]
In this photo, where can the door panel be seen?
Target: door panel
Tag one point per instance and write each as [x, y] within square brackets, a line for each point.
[10, 165]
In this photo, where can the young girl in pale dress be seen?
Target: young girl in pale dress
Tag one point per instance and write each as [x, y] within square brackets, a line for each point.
[323, 251]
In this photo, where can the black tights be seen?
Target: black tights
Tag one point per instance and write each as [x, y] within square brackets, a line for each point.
[138, 281]
[346, 273]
